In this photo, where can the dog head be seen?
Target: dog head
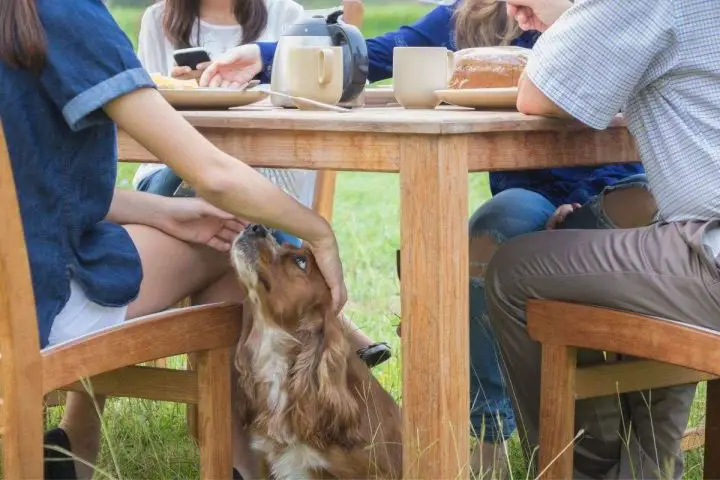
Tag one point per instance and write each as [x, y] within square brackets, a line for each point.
[282, 280]
[287, 290]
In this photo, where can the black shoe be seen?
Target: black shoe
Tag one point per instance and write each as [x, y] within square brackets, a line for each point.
[58, 466]
[375, 354]
[236, 475]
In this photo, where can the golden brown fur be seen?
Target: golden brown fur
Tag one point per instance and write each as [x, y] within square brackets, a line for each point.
[311, 405]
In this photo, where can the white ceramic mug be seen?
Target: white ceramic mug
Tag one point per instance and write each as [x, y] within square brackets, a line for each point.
[315, 73]
[418, 72]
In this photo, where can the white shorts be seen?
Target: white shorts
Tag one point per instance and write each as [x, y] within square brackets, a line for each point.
[80, 317]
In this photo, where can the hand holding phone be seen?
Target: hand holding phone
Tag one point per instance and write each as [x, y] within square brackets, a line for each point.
[191, 57]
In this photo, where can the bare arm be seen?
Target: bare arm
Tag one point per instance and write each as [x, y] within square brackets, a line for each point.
[532, 101]
[217, 177]
[133, 207]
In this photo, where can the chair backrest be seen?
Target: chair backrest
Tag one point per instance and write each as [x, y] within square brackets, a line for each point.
[20, 360]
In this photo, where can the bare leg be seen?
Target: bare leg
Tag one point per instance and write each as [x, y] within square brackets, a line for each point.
[173, 270]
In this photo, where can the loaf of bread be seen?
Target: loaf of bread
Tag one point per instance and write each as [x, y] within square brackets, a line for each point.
[488, 67]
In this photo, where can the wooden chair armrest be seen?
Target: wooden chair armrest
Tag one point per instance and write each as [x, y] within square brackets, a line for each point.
[583, 326]
[165, 334]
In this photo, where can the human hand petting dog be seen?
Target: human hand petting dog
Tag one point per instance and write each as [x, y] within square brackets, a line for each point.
[194, 220]
[536, 14]
[560, 214]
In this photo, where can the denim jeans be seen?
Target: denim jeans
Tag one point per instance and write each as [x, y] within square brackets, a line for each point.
[165, 182]
[507, 215]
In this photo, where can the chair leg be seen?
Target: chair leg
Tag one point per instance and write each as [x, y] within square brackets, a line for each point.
[712, 430]
[557, 411]
[213, 368]
[191, 413]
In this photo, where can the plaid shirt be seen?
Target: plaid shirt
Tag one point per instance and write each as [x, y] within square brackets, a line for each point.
[655, 61]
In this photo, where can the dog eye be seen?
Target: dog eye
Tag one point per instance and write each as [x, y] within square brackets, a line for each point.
[301, 262]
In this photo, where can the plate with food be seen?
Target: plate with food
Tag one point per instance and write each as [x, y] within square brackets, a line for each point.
[485, 77]
[186, 94]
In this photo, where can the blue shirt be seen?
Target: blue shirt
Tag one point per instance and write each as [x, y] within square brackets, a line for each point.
[63, 151]
[437, 28]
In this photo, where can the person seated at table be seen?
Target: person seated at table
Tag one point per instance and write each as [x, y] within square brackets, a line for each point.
[522, 201]
[99, 256]
[652, 61]
[218, 26]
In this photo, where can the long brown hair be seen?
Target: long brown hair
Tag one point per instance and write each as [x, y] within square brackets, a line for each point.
[483, 23]
[180, 15]
[22, 38]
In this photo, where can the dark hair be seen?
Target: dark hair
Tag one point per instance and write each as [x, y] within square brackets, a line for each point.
[180, 15]
[22, 38]
[483, 23]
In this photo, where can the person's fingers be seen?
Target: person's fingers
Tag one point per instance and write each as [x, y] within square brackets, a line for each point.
[202, 66]
[511, 10]
[236, 85]
[236, 224]
[227, 235]
[225, 84]
[180, 71]
[523, 3]
[208, 74]
[215, 81]
[218, 244]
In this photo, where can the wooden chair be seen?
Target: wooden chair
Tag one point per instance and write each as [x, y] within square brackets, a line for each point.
[107, 359]
[676, 354]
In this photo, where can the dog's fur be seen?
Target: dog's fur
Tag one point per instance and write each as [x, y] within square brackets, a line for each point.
[310, 404]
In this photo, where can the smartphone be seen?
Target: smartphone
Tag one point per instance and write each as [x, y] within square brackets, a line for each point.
[191, 57]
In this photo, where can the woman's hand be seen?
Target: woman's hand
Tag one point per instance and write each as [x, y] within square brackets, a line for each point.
[185, 73]
[193, 220]
[327, 257]
[560, 214]
[536, 14]
[234, 69]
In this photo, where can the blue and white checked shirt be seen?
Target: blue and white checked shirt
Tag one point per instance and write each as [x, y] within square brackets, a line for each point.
[655, 61]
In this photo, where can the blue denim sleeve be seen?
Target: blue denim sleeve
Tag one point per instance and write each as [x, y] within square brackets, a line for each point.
[267, 54]
[436, 29]
[90, 61]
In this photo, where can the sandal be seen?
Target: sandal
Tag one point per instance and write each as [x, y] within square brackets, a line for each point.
[58, 465]
[375, 354]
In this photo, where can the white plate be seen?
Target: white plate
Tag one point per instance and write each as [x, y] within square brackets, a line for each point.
[480, 97]
[220, 98]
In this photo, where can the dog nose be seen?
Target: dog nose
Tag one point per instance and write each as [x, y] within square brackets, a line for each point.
[257, 230]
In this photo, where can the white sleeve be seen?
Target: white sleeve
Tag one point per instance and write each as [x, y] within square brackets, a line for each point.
[152, 44]
[283, 14]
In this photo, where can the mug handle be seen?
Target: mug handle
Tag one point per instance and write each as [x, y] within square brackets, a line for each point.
[326, 59]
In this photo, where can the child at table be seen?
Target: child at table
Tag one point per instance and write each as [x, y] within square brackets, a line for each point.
[522, 201]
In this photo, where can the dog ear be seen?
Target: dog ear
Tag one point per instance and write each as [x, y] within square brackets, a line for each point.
[244, 392]
[322, 408]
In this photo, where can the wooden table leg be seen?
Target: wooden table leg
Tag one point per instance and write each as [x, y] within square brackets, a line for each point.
[434, 291]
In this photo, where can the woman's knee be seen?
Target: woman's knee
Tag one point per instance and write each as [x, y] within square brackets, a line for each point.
[507, 215]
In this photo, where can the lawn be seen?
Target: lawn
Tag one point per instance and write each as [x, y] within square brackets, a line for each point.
[149, 440]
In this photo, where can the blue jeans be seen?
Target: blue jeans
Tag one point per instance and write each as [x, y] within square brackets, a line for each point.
[165, 182]
[509, 214]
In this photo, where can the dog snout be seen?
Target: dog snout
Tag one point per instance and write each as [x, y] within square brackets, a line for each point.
[256, 230]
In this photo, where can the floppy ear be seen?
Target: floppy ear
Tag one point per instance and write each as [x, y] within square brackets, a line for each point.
[244, 392]
[322, 408]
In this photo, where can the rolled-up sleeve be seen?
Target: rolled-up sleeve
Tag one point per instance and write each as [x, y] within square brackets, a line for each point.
[599, 53]
[90, 61]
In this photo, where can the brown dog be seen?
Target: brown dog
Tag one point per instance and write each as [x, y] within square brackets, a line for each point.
[310, 404]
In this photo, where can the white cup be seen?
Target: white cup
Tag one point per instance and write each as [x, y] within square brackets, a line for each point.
[418, 72]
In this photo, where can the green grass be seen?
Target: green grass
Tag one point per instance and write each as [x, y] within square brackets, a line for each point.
[150, 438]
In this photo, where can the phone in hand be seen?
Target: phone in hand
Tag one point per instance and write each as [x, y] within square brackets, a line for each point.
[191, 57]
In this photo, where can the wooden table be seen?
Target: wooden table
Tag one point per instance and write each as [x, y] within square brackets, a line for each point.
[433, 151]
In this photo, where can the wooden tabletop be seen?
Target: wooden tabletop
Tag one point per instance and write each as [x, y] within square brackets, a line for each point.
[441, 121]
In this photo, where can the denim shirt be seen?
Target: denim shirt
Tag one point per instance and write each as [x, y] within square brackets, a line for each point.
[63, 151]
[437, 29]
